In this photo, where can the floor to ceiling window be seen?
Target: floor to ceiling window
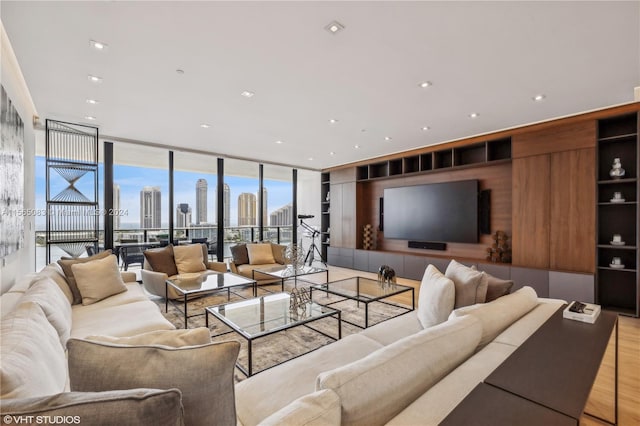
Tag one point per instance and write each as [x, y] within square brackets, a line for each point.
[242, 178]
[278, 199]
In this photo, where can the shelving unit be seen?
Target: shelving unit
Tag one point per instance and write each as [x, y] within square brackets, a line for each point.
[325, 203]
[443, 159]
[618, 288]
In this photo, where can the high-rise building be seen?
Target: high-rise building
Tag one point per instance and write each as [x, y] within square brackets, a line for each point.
[246, 209]
[183, 215]
[227, 204]
[150, 207]
[116, 206]
[201, 201]
[265, 216]
[282, 216]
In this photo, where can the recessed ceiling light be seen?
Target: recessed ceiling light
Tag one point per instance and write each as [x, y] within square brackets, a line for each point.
[179, 71]
[356, 146]
[205, 126]
[387, 138]
[474, 115]
[332, 153]
[247, 94]
[94, 78]
[333, 121]
[426, 84]
[279, 142]
[89, 117]
[334, 27]
[539, 97]
[92, 101]
[425, 128]
[97, 45]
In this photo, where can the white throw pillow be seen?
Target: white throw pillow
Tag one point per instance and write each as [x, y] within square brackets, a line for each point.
[471, 285]
[55, 305]
[320, 408]
[189, 258]
[98, 279]
[33, 360]
[498, 315]
[437, 297]
[260, 254]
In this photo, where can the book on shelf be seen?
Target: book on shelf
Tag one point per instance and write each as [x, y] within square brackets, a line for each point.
[581, 311]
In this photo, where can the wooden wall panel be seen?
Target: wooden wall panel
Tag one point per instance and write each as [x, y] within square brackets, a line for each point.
[530, 212]
[335, 216]
[563, 137]
[494, 177]
[573, 201]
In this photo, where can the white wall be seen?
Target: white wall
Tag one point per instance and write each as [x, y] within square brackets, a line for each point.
[11, 78]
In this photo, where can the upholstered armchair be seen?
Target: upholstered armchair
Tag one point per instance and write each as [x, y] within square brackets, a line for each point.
[167, 262]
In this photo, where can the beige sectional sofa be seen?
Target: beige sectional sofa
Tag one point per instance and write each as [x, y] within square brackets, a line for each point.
[397, 372]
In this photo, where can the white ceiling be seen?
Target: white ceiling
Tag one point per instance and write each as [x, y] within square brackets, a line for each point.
[484, 57]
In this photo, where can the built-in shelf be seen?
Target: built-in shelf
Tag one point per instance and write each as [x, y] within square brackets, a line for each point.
[616, 181]
[611, 246]
[476, 154]
[617, 204]
[325, 205]
[616, 269]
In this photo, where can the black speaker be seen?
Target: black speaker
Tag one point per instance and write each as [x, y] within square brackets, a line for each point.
[429, 245]
[381, 215]
[484, 212]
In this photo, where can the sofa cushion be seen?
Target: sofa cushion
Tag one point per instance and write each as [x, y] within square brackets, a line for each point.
[134, 293]
[435, 404]
[204, 374]
[121, 407]
[66, 263]
[377, 387]
[98, 279]
[171, 338]
[496, 316]
[394, 329]
[263, 394]
[161, 260]
[145, 316]
[520, 331]
[260, 254]
[471, 284]
[278, 253]
[45, 293]
[437, 297]
[189, 258]
[240, 254]
[320, 408]
[54, 271]
[33, 360]
[8, 301]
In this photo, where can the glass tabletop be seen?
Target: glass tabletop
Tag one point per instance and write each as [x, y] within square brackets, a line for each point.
[364, 289]
[267, 314]
[287, 271]
[207, 281]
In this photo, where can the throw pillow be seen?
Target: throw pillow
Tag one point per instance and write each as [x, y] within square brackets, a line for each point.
[240, 254]
[437, 297]
[189, 258]
[161, 260]
[46, 294]
[278, 253]
[471, 285]
[54, 271]
[98, 279]
[33, 360]
[171, 338]
[497, 287]
[204, 374]
[66, 263]
[321, 408]
[121, 407]
[260, 254]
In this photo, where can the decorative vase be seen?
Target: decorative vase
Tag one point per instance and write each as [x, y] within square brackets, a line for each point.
[617, 171]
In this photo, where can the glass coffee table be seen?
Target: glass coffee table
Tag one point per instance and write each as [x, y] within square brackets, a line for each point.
[198, 284]
[286, 272]
[266, 315]
[365, 290]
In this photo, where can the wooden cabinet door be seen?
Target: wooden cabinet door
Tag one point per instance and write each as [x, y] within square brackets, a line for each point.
[572, 214]
[349, 215]
[530, 211]
[335, 216]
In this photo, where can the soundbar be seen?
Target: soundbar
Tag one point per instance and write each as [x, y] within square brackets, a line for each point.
[305, 216]
[429, 245]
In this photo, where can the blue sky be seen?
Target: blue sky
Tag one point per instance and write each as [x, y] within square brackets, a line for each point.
[133, 179]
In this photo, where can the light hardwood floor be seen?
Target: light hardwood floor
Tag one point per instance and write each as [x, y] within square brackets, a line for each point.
[601, 399]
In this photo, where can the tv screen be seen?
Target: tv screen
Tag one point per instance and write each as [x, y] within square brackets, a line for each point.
[446, 212]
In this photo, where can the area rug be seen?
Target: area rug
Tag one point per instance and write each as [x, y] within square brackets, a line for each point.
[280, 347]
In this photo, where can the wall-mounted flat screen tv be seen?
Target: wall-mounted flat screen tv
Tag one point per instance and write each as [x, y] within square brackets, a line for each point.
[446, 212]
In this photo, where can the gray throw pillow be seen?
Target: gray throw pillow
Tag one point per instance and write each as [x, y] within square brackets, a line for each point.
[204, 374]
[497, 287]
[161, 260]
[122, 408]
[240, 254]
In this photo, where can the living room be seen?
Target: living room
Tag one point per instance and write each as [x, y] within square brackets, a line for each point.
[322, 109]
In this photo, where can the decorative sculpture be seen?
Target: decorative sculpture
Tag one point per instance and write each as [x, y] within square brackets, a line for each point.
[293, 257]
[367, 237]
[299, 299]
[499, 250]
[386, 275]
